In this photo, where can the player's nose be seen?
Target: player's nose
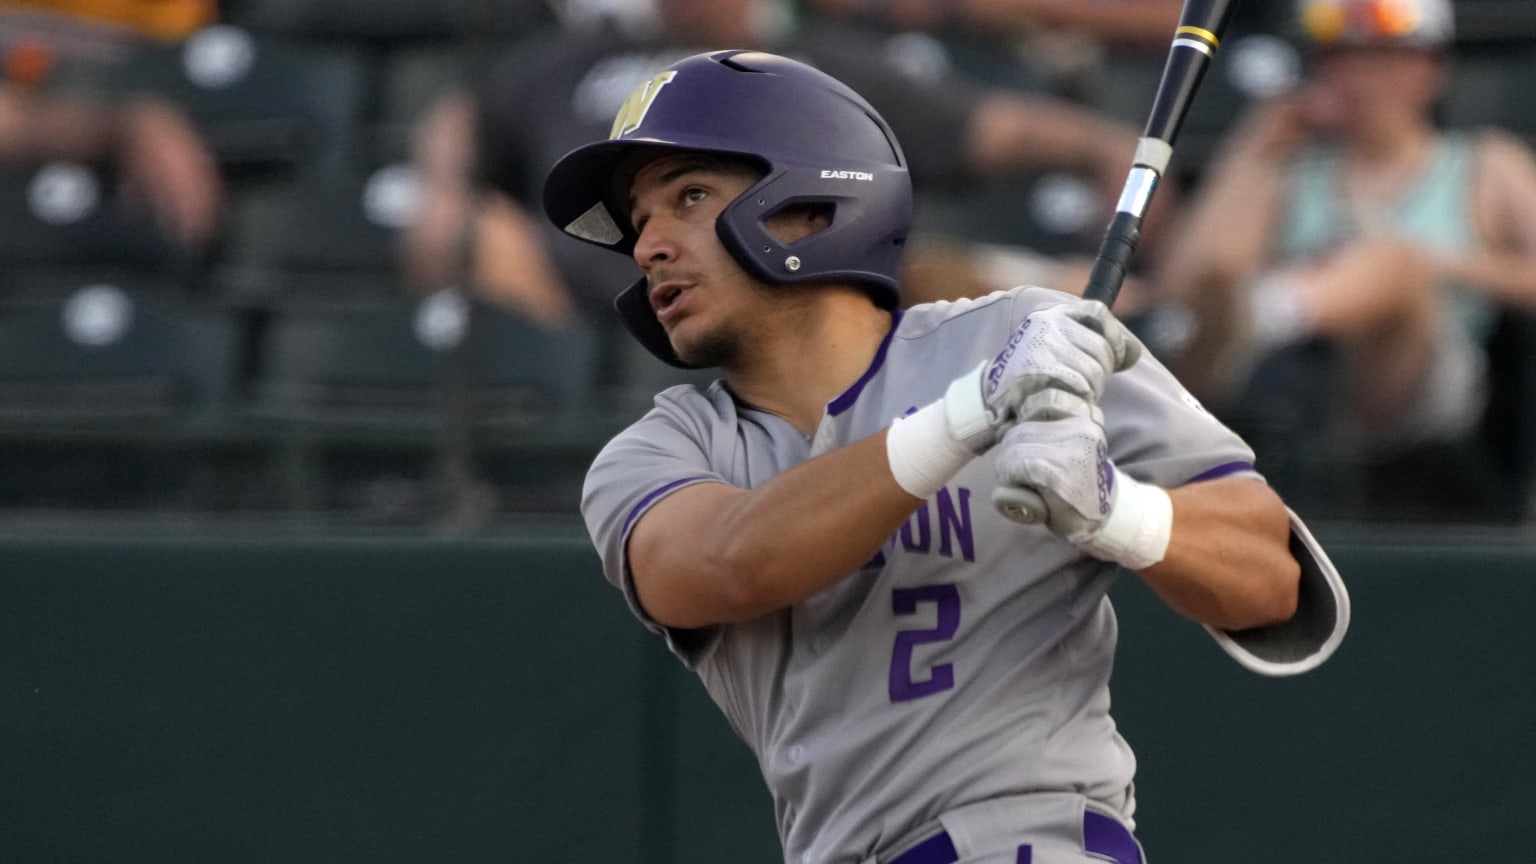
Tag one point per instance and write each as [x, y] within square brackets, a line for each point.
[653, 246]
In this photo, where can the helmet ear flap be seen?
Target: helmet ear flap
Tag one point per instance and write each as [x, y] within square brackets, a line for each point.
[634, 307]
[868, 215]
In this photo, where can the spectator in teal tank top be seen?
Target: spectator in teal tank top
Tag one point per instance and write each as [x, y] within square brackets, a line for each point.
[1341, 216]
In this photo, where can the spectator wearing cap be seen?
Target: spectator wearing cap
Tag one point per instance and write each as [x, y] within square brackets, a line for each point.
[1339, 214]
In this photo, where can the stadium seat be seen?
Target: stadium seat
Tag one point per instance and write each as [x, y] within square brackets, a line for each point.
[391, 390]
[332, 237]
[265, 103]
[391, 359]
[113, 351]
[63, 213]
[120, 394]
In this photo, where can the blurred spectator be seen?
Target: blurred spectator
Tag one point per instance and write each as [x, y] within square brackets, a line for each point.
[161, 163]
[163, 167]
[153, 19]
[1338, 221]
[1118, 23]
[557, 91]
[1071, 48]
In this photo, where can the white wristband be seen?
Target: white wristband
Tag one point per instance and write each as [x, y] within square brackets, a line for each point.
[1139, 526]
[922, 451]
[969, 421]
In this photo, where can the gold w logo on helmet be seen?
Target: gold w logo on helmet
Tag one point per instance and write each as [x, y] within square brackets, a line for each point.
[632, 112]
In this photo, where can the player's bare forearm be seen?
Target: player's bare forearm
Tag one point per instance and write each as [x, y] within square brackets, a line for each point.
[1228, 563]
[713, 553]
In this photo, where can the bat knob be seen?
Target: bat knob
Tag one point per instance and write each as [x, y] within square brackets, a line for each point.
[1024, 506]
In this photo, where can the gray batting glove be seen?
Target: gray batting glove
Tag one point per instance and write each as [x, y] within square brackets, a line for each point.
[1053, 467]
[1073, 347]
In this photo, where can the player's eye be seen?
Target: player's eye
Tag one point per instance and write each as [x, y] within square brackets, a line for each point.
[694, 194]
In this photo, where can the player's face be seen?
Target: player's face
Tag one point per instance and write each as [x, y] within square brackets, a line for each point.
[701, 296]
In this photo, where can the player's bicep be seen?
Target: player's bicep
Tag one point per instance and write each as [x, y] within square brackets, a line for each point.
[669, 558]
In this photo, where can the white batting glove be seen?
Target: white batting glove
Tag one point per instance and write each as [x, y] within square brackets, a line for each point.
[1072, 347]
[1053, 466]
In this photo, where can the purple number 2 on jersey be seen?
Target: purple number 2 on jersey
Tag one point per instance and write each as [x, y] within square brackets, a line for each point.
[904, 601]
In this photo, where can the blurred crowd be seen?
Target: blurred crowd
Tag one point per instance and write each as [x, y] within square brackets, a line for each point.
[1341, 263]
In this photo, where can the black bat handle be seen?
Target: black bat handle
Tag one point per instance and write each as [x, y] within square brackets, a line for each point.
[1114, 258]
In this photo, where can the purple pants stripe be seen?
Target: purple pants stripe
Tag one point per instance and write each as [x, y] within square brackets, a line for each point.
[1104, 836]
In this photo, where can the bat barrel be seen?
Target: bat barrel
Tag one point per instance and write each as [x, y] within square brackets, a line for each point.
[1188, 59]
[1194, 43]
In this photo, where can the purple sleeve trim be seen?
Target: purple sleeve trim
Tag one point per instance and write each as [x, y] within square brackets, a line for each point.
[1226, 470]
[851, 395]
[645, 502]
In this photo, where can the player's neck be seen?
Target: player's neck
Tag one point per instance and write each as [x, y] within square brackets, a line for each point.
[810, 355]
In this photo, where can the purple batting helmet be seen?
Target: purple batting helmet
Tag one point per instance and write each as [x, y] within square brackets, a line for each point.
[818, 141]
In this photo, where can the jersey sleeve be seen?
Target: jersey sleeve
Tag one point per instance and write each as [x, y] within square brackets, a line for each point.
[1160, 433]
[664, 451]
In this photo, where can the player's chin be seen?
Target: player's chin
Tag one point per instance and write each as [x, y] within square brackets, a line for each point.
[703, 347]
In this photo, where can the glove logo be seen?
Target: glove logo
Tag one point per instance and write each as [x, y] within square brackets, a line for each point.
[1000, 362]
[1106, 479]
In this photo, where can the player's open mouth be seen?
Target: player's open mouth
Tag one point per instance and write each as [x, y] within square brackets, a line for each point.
[664, 299]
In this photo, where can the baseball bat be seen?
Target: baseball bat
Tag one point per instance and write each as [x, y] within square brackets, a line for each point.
[1201, 23]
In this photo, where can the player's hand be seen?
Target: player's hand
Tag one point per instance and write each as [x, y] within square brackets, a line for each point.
[1070, 349]
[1053, 467]
[1073, 348]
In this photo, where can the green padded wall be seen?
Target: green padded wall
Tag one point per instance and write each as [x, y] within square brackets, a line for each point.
[264, 695]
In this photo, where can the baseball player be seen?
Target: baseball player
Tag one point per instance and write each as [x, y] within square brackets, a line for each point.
[922, 679]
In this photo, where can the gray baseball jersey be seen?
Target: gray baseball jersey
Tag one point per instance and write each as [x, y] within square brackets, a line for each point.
[969, 658]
